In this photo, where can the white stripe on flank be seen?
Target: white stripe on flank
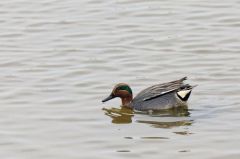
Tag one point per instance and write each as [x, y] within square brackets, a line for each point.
[183, 93]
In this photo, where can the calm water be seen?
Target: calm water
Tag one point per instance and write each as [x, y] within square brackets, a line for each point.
[59, 59]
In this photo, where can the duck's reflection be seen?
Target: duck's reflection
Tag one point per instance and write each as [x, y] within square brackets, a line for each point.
[174, 112]
[167, 124]
[158, 119]
[167, 118]
[119, 116]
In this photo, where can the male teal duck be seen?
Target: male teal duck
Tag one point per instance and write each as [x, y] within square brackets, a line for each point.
[157, 97]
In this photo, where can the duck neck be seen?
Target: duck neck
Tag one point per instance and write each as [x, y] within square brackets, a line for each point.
[127, 100]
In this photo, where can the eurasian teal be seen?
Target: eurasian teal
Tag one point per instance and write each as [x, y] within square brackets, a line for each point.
[157, 97]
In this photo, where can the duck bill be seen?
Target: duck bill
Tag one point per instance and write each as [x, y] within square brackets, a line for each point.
[111, 96]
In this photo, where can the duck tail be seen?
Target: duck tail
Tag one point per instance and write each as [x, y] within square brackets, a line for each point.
[187, 87]
[184, 91]
[194, 86]
[183, 79]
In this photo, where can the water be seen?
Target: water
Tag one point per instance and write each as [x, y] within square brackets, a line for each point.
[59, 59]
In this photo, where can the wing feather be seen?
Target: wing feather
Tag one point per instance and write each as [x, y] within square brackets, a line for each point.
[159, 90]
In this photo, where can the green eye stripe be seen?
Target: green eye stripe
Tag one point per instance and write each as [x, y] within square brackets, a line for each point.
[125, 88]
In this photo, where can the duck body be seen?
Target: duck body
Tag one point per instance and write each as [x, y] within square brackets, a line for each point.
[167, 101]
[157, 97]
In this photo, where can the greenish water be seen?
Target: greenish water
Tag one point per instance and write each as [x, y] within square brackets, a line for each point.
[59, 59]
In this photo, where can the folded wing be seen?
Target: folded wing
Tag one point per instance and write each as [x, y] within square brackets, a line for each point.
[160, 89]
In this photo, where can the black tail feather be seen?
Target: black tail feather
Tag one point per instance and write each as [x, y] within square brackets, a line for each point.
[184, 78]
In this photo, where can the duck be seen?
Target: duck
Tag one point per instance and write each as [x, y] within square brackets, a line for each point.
[157, 97]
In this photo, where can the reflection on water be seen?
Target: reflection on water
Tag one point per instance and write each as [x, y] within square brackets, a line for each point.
[174, 112]
[123, 151]
[183, 133]
[119, 116]
[166, 124]
[149, 137]
[154, 137]
[158, 119]
[168, 118]
[184, 151]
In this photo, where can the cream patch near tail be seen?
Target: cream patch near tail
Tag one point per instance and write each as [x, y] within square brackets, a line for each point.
[183, 93]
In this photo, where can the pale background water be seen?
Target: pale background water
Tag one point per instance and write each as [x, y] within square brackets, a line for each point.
[59, 59]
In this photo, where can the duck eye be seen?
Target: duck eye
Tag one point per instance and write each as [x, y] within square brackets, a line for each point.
[121, 88]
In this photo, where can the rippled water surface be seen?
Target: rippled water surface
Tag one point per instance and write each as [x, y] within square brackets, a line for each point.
[59, 59]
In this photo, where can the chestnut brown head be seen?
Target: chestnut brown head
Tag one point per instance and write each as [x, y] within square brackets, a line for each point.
[122, 91]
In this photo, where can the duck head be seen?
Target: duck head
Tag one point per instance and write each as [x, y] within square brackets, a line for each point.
[123, 91]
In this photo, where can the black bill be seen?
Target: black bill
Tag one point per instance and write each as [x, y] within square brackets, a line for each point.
[108, 98]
